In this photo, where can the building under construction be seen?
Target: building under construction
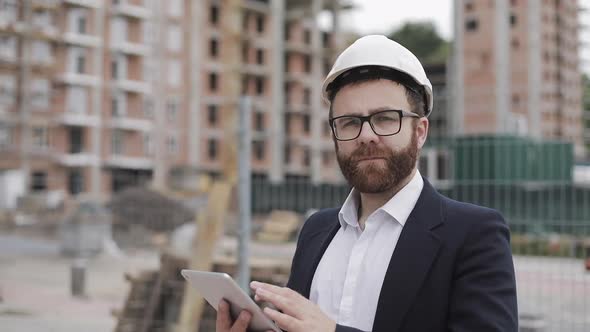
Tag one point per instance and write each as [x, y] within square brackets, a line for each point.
[518, 69]
[99, 95]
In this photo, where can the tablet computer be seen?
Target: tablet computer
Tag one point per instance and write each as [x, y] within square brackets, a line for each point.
[214, 286]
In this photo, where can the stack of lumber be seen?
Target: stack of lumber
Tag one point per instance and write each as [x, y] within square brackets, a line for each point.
[281, 226]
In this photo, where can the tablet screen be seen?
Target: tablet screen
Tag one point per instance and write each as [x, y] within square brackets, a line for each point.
[214, 286]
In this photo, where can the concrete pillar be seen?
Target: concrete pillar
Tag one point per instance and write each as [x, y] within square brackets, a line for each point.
[505, 120]
[534, 68]
[457, 74]
[336, 27]
[195, 42]
[78, 277]
[95, 171]
[158, 86]
[24, 102]
[317, 110]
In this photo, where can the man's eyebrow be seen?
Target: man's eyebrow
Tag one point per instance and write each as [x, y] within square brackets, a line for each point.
[372, 111]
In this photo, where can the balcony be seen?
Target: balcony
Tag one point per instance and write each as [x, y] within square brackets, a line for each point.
[296, 169]
[254, 69]
[132, 86]
[77, 159]
[44, 4]
[8, 117]
[138, 163]
[83, 3]
[260, 103]
[218, 100]
[298, 47]
[11, 26]
[75, 38]
[130, 48]
[78, 119]
[260, 6]
[127, 123]
[260, 135]
[300, 77]
[131, 10]
[298, 108]
[9, 60]
[49, 32]
[78, 79]
[46, 66]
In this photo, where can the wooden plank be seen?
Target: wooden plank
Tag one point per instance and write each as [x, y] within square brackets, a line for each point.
[209, 230]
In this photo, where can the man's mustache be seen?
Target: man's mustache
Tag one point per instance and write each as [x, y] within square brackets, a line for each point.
[367, 152]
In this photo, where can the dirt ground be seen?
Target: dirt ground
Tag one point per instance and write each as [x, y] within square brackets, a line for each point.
[36, 292]
[35, 287]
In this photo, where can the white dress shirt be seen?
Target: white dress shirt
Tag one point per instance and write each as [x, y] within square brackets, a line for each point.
[347, 282]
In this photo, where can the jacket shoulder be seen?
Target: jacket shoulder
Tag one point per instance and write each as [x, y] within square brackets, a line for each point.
[320, 221]
[456, 209]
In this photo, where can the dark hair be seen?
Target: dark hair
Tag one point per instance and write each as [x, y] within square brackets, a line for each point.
[414, 91]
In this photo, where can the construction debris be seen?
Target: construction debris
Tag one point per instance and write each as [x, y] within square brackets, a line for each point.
[152, 210]
[280, 227]
[155, 297]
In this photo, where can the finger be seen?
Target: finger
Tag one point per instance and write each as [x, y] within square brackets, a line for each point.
[288, 305]
[255, 285]
[223, 322]
[241, 324]
[283, 321]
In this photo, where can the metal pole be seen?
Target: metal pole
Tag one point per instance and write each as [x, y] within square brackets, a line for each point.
[244, 154]
[278, 94]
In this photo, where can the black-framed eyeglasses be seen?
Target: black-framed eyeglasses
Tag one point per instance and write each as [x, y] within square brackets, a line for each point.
[383, 123]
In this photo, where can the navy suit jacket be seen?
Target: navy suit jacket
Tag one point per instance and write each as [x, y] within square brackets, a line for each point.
[451, 270]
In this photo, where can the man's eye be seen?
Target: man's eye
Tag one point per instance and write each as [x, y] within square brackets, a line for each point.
[349, 123]
[385, 118]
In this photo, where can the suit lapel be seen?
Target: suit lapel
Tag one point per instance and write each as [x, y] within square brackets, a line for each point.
[326, 237]
[415, 251]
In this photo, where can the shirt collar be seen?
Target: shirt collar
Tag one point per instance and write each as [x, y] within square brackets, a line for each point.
[401, 204]
[398, 207]
[348, 214]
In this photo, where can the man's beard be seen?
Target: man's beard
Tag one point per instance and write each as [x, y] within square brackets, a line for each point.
[373, 178]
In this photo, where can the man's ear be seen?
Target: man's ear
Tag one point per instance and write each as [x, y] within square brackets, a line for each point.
[422, 131]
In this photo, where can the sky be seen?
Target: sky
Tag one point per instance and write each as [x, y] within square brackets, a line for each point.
[384, 16]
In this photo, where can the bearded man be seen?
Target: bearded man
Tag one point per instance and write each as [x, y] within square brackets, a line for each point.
[397, 255]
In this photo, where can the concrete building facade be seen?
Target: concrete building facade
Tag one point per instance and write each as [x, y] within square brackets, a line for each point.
[97, 95]
[519, 69]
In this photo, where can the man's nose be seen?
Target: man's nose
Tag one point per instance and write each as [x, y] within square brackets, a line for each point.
[367, 134]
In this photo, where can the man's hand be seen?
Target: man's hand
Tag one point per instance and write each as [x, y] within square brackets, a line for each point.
[224, 322]
[298, 313]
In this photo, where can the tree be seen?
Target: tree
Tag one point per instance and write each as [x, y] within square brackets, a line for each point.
[423, 40]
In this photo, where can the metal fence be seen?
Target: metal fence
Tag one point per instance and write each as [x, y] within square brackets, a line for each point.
[531, 182]
[536, 184]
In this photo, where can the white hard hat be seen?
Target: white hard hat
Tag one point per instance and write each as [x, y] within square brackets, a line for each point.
[378, 50]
